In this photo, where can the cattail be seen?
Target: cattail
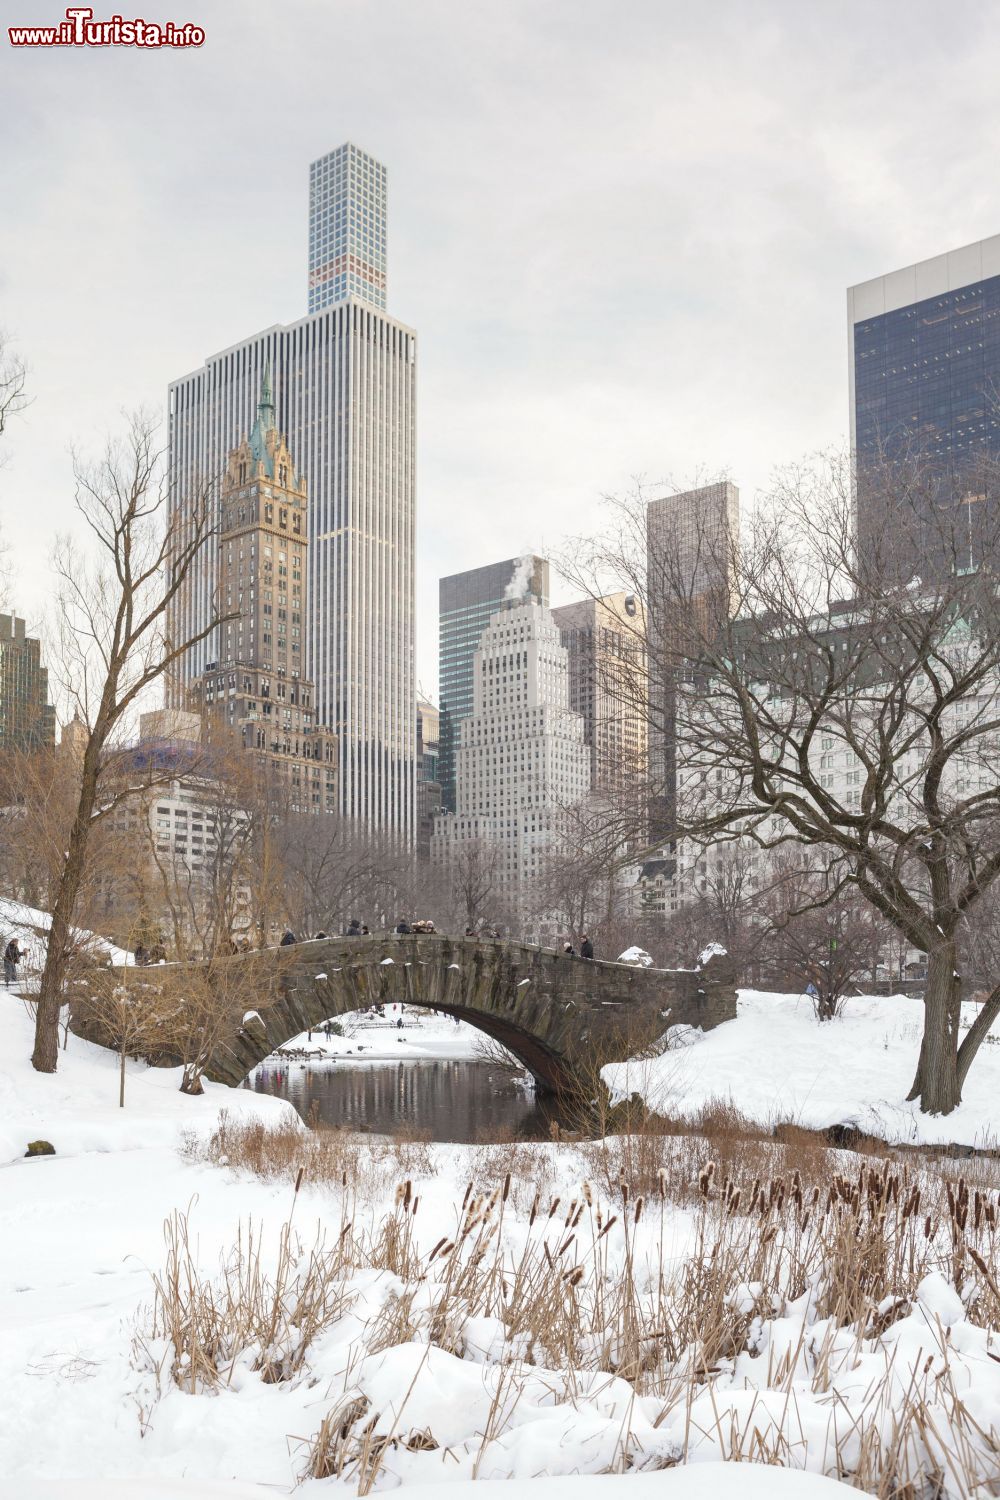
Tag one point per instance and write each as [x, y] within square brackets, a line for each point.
[565, 1245]
[624, 1190]
[612, 1220]
[570, 1211]
[734, 1203]
[579, 1216]
[298, 1178]
[927, 1227]
[574, 1276]
[638, 1209]
[661, 1178]
[407, 1194]
[414, 1207]
[553, 1206]
[468, 1193]
[588, 1196]
[442, 1241]
[506, 1187]
[534, 1208]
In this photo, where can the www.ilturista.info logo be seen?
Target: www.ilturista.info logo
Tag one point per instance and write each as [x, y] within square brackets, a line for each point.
[81, 30]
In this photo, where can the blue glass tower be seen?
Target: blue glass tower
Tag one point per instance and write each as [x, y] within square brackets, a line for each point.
[924, 348]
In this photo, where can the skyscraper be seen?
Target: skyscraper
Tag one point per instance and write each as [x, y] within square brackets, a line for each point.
[466, 602]
[606, 650]
[521, 757]
[924, 371]
[257, 698]
[27, 719]
[347, 228]
[344, 393]
[691, 538]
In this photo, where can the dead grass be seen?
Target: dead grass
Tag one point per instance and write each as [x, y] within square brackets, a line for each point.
[593, 1281]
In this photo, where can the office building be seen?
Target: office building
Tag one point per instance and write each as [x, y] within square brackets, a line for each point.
[691, 543]
[27, 719]
[606, 649]
[428, 785]
[257, 698]
[521, 759]
[344, 394]
[347, 228]
[924, 373]
[466, 603]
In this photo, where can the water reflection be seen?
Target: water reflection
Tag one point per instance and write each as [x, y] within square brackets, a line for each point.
[448, 1100]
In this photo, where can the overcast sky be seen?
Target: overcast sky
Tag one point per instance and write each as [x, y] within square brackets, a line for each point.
[622, 230]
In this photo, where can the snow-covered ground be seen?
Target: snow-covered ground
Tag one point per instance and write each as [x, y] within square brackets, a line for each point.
[454, 1394]
[423, 1037]
[776, 1063]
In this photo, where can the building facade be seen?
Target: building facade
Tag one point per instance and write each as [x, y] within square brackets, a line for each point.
[257, 698]
[522, 759]
[691, 541]
[924, 373]
[428, 785]
[27, 719]
[605, 645]
[466, 602]
[344, 392]
[347, 228]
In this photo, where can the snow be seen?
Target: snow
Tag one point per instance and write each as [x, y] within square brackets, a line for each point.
[777, 1063]
[706, 1482]
[714, 950]
[636, 955]
[85, 1414]
[424, 1037]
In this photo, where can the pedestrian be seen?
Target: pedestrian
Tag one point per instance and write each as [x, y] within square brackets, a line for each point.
[402, 928]
[569, 950]
[12, 956]
[354, 930]
[319, 935]
[288, 938]
[586, 947]
[364, 930]
[470, 932]
[399, 1024]
[142, 955]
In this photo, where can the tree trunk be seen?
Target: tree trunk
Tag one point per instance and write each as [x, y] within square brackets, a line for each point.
[50, 991]
[936, 1083]
[121, 1080]
[988, 1012]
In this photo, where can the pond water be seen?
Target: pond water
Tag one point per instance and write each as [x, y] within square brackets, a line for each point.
[446, 1100]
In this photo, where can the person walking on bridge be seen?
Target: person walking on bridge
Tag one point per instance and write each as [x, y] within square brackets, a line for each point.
[354, 930]
[586, 947]
[402, 928]
[288, 938]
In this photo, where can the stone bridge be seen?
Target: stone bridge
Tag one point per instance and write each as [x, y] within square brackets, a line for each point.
[561, 1017]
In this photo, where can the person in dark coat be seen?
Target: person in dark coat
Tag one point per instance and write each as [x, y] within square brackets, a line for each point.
[586, 947]
[402, 927]
[288, 938]
[569, 950]
[354, 929]
[12, 956]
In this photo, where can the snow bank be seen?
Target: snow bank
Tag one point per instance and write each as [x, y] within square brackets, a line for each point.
[635, 955]
[720, 1481]
[777, 1063]
[76, 1108]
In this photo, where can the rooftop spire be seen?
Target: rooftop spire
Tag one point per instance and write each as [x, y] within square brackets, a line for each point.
[265, 407]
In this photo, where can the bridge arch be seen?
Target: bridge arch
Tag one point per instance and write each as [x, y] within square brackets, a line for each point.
[560, 1016]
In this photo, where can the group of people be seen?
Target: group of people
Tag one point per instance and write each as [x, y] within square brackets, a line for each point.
[586, 947]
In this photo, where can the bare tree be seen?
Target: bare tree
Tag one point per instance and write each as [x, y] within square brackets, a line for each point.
[112, 616]
[13, 380]
[474, 874]
[794, 654]
[828, 947]
[123, 1012]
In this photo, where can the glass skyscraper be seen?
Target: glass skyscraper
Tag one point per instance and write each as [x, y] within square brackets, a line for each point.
[466, 601]
[925, 372]
[347, 228]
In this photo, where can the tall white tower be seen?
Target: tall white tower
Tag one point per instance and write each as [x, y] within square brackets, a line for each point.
[521, 756]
